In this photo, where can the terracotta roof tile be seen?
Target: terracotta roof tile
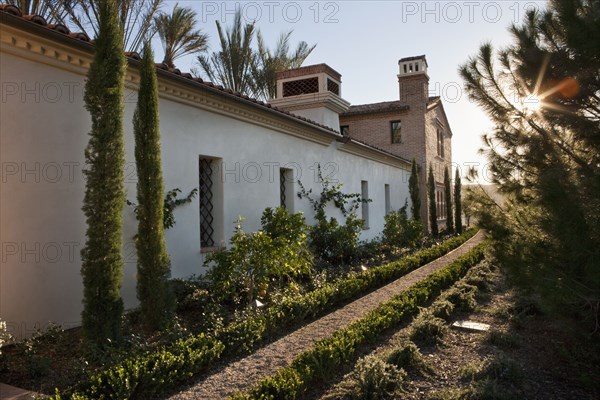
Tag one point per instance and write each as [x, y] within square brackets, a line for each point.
[385, 106]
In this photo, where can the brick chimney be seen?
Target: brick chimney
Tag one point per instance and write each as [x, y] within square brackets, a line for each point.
[413, 80]
[313, 92]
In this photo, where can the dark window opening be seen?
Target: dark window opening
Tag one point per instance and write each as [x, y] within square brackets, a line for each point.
[301, 86]
[396, 128]
[440, 143]
[345, 130]
[333, 87]
[207, 229]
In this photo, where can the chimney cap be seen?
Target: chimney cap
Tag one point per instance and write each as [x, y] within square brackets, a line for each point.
[413, 58]
[309, 70]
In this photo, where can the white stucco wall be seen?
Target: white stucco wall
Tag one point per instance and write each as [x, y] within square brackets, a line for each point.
[44, 126]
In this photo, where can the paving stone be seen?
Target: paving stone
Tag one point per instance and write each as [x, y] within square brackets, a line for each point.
[471, 326]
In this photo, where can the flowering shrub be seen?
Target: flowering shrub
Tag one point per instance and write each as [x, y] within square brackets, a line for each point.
[259, 260]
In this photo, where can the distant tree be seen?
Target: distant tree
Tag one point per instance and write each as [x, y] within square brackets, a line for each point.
[415, 195]
[433, 225]
[268, 62]
[153, 267]
[102, 260]
[542, 93]
[448, 198]
[231, 67]
[457, 203]
[178, 34]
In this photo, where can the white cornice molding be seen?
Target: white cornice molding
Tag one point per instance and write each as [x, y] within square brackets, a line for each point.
[40, 49]
[328, 100]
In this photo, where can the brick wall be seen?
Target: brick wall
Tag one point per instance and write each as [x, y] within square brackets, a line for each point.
[419, 134]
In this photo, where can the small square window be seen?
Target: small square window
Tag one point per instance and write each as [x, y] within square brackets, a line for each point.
[345, 130]
[396, 127]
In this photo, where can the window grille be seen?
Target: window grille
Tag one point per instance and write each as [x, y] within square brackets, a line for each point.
[207, 230]
[282, 188]
[301, 86]
[333, 87]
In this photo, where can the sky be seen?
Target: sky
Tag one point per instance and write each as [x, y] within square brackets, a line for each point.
[363, 41]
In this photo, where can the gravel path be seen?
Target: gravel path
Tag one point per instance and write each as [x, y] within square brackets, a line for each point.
[266, 361]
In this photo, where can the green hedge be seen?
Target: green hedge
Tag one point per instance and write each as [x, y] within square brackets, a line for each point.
[152, 373]
[159, 371]
[340, 348]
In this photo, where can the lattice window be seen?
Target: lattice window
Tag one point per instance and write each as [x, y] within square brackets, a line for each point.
[333, 87]
[207, 230]
[282, 188]
[301, 86]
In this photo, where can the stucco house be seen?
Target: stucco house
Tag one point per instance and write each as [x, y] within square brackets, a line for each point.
[241, 154]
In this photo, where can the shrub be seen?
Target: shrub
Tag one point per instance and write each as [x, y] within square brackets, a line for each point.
[499, 368]
[502, 339]
[443, 309]
[151, 373]
[428, 329]
[335, 243]
[371, 379]
[462, 295]
[256, 260]
[408, 357]
[399, 231]
[330, 241]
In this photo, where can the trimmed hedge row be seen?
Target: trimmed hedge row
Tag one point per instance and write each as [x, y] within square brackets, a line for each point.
[152, 373]
[158, 371]
[340, 348]
[241, 336]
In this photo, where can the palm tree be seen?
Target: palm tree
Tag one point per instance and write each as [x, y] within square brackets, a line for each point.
[135, 17]
[268, 63]
[232, 66]
[177, 34]
[45, 8]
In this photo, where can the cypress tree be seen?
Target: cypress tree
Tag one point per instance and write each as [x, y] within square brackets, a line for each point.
[415, 195]
[154, 266]
[457, 203]
[448, 198]
[432, 204]
[102, 260]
